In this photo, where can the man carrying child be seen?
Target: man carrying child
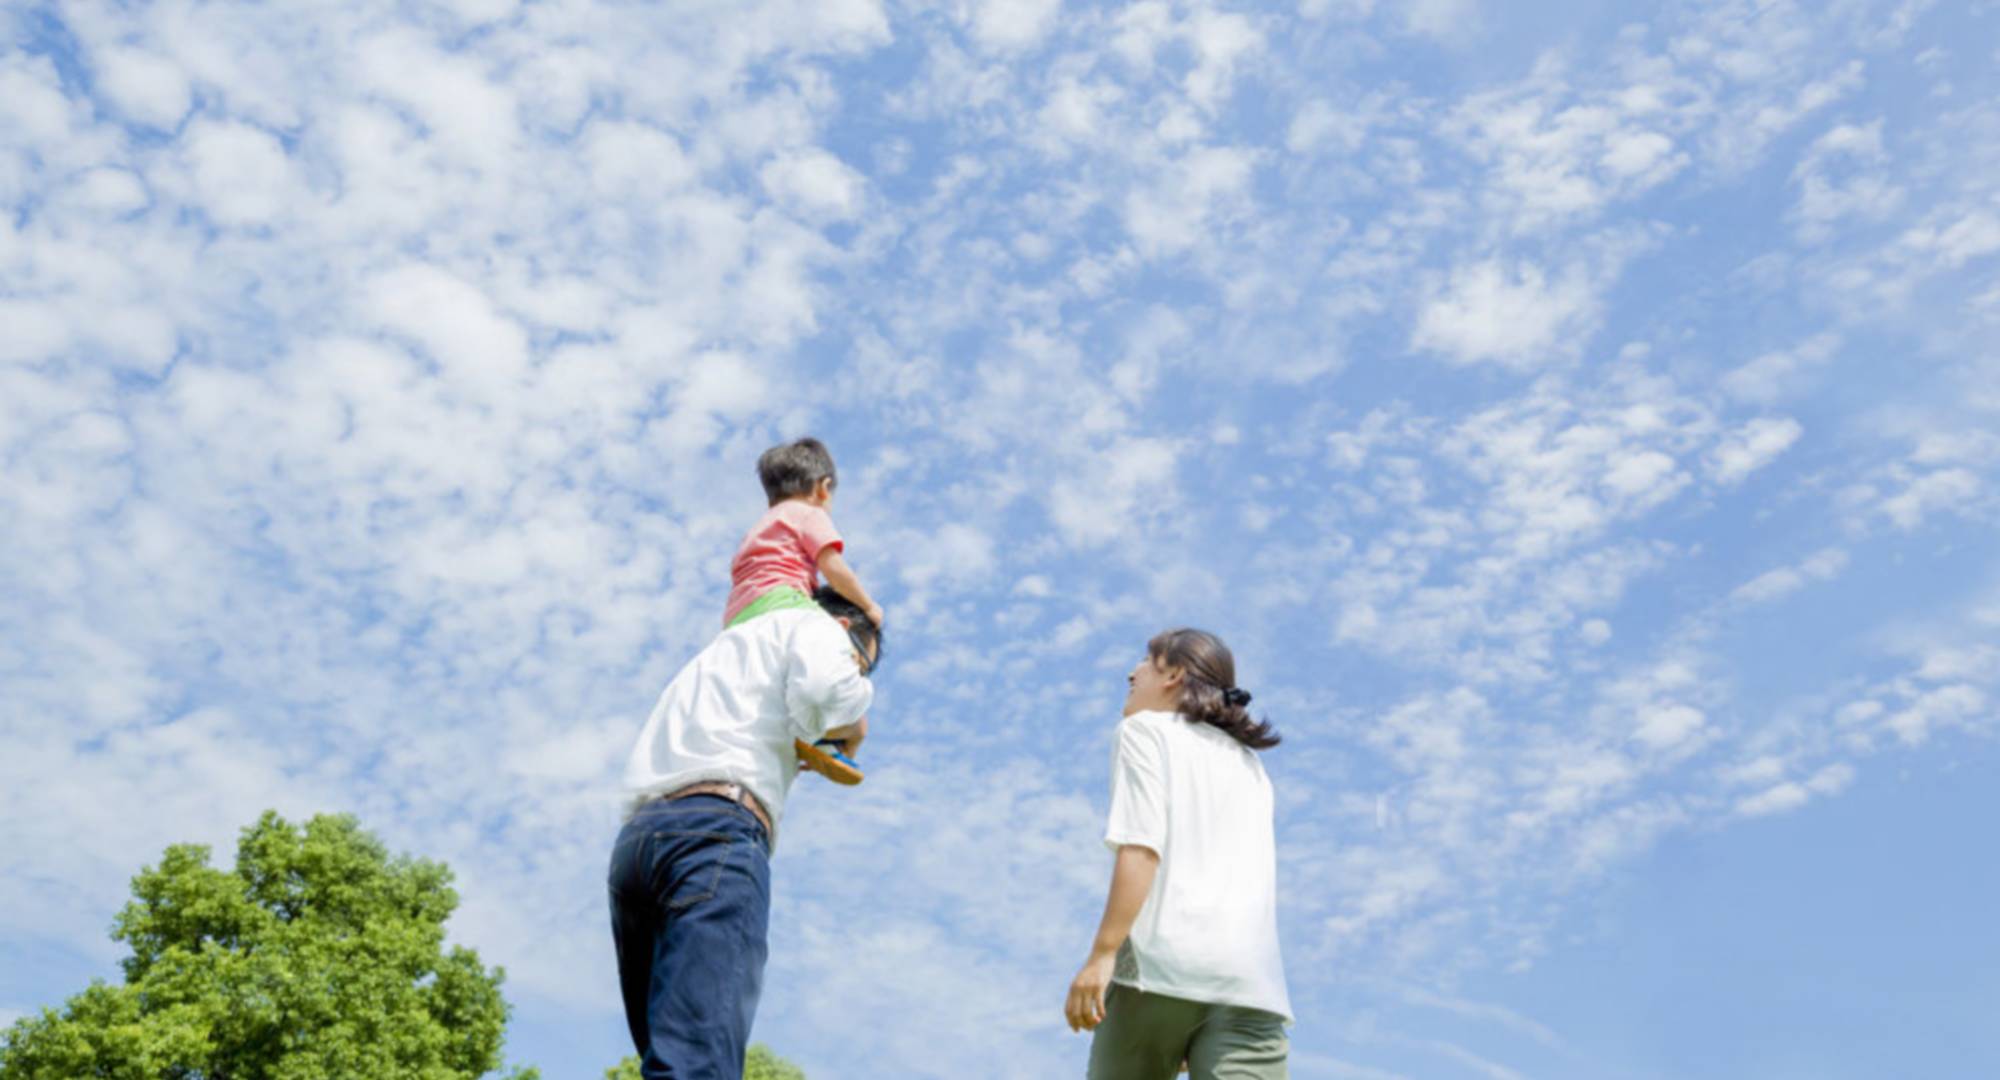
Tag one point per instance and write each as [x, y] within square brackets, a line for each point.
[690, 879]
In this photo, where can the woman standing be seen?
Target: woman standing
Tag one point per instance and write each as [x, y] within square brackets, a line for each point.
[1185, 967]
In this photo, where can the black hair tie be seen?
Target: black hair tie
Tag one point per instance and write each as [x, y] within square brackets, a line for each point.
[1235, 697]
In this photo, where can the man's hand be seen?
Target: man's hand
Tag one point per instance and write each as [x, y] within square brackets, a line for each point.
[849, 736]
[1085, 1008]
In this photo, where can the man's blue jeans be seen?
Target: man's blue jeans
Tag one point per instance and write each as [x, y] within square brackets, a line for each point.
[690, 907]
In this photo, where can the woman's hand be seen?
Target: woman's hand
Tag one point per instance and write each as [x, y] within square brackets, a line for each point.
[1132, 876]
[1085, 1008]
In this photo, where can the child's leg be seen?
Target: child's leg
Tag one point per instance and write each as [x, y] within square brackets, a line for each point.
[781, 598]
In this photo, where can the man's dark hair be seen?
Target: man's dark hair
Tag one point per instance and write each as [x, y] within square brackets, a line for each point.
[794, 468]
[859, 626]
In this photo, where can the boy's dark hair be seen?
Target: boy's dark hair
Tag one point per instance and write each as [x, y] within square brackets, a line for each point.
[859, 626]
[794, 468]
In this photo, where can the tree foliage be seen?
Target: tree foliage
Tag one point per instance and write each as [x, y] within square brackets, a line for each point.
[765, 1065]
[759, 1064]
[320, 955]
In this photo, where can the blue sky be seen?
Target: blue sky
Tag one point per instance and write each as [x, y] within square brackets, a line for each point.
[1581, 424]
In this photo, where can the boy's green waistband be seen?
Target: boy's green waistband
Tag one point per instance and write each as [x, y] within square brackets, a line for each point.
[779, 599]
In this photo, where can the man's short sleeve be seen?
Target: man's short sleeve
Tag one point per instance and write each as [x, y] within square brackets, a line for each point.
[824, 687]
[1138, 790]
[814, 528]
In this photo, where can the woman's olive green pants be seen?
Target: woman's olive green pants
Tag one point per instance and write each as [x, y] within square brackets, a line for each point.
[1147, 1037]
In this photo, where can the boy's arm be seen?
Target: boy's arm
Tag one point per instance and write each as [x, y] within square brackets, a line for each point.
[833, 567]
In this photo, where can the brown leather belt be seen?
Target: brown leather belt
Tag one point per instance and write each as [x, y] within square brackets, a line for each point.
[735, 793]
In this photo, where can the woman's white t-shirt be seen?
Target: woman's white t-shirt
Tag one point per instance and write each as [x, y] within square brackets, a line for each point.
[1209, 928]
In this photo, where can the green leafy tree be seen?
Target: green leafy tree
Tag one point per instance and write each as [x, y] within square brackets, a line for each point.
[760, 1064]
[320, 955]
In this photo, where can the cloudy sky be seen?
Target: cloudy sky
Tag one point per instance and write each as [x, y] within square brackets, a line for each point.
[1583, 429]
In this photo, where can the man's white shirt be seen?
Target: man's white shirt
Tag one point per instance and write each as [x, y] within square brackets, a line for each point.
[732, 712]
[1209, 928]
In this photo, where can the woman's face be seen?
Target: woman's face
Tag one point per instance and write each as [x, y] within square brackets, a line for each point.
[1153, 687]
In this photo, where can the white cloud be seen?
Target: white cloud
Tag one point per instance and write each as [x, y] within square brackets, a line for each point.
[1973, 235]
[1752, 447]
[111, 191]
[242, 175]
[34, 332]
[1075, 110]
[1777, 800]
[478, 349]
[1013, 24]
[1645, 477]
[1485, 580]
[634, 161]
[36, 116]
[1772, 375]
[1790, 795]
[1116, 490]
[1448, 20]
[816, 184]
[1142, 30]
[472, 119]
[1772, 585]
[1929, 492]
[1511, 314]
[1666, 727]
[1748, 131]
[1558, 154]
[1760, 772]
[1320, 123]
[1630, 154]
[1841, 180]
[1936, 708]
[725, 384]
[954, 554]
[483, 11]
[1222, 42]
[1172, 215]
[147, 87]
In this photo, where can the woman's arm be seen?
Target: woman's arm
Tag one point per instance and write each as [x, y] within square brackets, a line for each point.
[1131, 881]
[833, 567]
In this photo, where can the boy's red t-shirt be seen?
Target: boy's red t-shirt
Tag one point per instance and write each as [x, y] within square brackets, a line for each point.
[781, 549]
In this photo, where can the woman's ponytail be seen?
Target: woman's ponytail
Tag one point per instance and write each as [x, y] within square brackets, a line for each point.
[1209, 694]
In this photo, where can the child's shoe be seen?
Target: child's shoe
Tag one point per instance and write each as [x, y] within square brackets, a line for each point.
[825, 758]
